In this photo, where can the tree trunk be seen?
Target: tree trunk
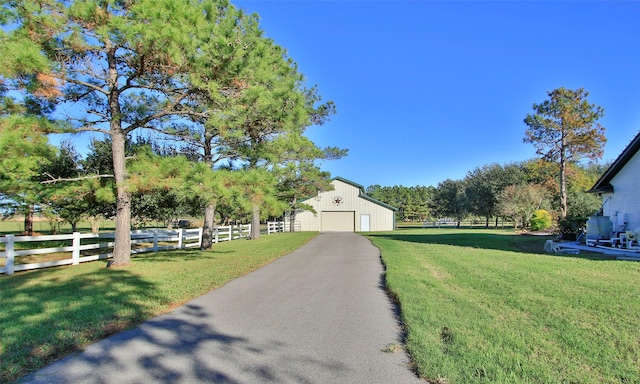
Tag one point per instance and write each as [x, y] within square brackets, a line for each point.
[209, 223]
[563, 187]
[210, 209]
[28, 221]
[95, 222]
[255, 222]
[486, 224]
[292, 220]
[122, 247]
[292, 216]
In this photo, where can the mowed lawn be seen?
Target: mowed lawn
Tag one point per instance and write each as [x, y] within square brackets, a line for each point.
[487, 306]
[48, 313]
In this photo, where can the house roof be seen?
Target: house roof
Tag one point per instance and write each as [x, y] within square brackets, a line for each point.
[364, 195]
[603, 185]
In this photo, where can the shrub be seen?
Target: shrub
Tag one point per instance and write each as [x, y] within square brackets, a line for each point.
[540, 220]
[571, 227]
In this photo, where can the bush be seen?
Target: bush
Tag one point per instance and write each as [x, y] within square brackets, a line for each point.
[540, 220]
[571, 227]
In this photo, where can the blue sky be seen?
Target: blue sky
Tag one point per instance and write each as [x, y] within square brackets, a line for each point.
[428, 90]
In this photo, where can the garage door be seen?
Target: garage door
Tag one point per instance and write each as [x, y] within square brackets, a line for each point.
[338, 222]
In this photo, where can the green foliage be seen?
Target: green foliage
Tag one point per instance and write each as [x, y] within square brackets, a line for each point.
[565, 126]
[152, 63]
[412, 202]
[484, 185]
[298, 180]
[24, 151]
[540, 220]
[564, 129]
[450, 200]
[571, 227]
[520, 201]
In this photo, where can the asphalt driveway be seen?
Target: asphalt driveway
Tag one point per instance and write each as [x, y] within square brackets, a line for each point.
[317, 315]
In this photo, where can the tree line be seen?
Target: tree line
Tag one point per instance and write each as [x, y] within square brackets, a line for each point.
[198, 77]
[511, 192]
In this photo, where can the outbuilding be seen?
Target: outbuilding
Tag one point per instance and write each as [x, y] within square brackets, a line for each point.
[345, 209]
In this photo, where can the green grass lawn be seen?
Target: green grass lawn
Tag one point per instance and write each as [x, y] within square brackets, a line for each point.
[486, 306]
[48, 313]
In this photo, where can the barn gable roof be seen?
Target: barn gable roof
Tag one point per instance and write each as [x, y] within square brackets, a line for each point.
[364, 195]
[603, 185]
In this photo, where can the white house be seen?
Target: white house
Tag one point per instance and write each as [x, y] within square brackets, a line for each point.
[345, 209]
[619, 187]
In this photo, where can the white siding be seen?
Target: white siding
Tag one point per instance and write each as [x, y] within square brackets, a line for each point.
[625, 198]
[381, 218]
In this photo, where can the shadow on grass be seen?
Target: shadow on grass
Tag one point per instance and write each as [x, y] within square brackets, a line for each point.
[193, 254]
[46, 315]
[485, 240]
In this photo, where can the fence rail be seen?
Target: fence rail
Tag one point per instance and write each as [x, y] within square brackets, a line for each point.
[275, 227]
[231, 232]
[159, 240]
[282, 226]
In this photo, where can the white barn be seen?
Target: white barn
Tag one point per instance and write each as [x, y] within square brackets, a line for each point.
[619, 187]
[345, 209]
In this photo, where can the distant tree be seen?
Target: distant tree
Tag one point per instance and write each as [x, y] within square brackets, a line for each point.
[583, 177]
[418, 203]
[24, 152]
[482, 189]
[298, 180]
[154, 180]
[413, 203]
[450, 200]
[520, 201]
[484, 185]
[564, 128]
[64, 200]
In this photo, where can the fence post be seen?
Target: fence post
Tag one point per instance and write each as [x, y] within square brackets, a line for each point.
[75, 254]
[231, 232]
[9, 249]
[200, 232]
[155, 240]
[215, 235]
[180, 245]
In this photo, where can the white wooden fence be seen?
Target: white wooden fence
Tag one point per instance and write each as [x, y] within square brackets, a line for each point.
[274, 227]
[231, 232]
[159, 239]
[282, 226]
